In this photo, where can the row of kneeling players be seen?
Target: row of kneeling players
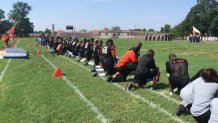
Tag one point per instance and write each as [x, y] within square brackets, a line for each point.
[198, 94]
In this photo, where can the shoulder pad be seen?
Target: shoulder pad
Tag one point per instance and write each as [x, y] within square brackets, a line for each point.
[178, 60]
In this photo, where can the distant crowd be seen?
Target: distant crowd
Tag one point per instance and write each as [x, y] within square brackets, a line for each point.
[199, 94]
[158, 37]
[210, 38]
[198, 38]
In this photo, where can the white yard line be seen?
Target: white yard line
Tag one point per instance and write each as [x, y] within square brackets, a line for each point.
[153, 105]
[6, 67]
[150, 103]
[162, 93]
[100, 116]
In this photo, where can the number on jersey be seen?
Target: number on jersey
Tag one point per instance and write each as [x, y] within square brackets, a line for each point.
[104, 50]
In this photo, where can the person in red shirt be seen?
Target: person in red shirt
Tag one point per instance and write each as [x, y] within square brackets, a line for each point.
[126, 64]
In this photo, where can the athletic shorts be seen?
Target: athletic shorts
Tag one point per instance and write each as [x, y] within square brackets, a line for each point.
[178, 82]
[142, 78]
[108, 66]
[127, 68]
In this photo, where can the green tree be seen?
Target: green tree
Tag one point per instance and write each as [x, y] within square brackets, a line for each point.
[162, 30]
[137, 29]
[5, 25]
[47, 31]
[213, 29]
[106, 29]
[116, 28]
[83, 31]
[167, 28]
[144, 29]
[2, 14]
[24, 27]
[20, 10]
[40, 32]
[151, 30]
[19, 14]
[177, 31]
[201, 16]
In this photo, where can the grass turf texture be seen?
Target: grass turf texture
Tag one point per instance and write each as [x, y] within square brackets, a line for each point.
[29, 93]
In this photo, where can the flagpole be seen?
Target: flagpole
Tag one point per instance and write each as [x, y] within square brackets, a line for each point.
[12, 36]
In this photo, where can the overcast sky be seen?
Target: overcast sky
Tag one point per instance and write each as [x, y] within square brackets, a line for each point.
[98, 14]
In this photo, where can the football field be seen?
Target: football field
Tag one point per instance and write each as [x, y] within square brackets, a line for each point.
[30, 94]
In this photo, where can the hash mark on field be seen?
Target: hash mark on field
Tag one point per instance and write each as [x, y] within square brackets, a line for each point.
[81, 95]
[150, 103]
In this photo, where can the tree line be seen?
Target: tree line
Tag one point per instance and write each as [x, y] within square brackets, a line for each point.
[204, 16]
[19, 16]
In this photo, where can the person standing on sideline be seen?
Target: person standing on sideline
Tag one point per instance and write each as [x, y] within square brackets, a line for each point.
[190, 38]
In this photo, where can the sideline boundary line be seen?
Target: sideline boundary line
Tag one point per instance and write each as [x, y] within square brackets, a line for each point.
[6, 67]
[100, 116]
[150, 103]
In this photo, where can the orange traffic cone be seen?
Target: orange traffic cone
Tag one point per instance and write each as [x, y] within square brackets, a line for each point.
[39, 52]
[57, 72]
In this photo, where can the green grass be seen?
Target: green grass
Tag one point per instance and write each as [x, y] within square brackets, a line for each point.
[29, 93]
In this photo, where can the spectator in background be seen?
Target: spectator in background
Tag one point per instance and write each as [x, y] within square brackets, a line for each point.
[198, 38]
[190, 38]
[194, 38]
